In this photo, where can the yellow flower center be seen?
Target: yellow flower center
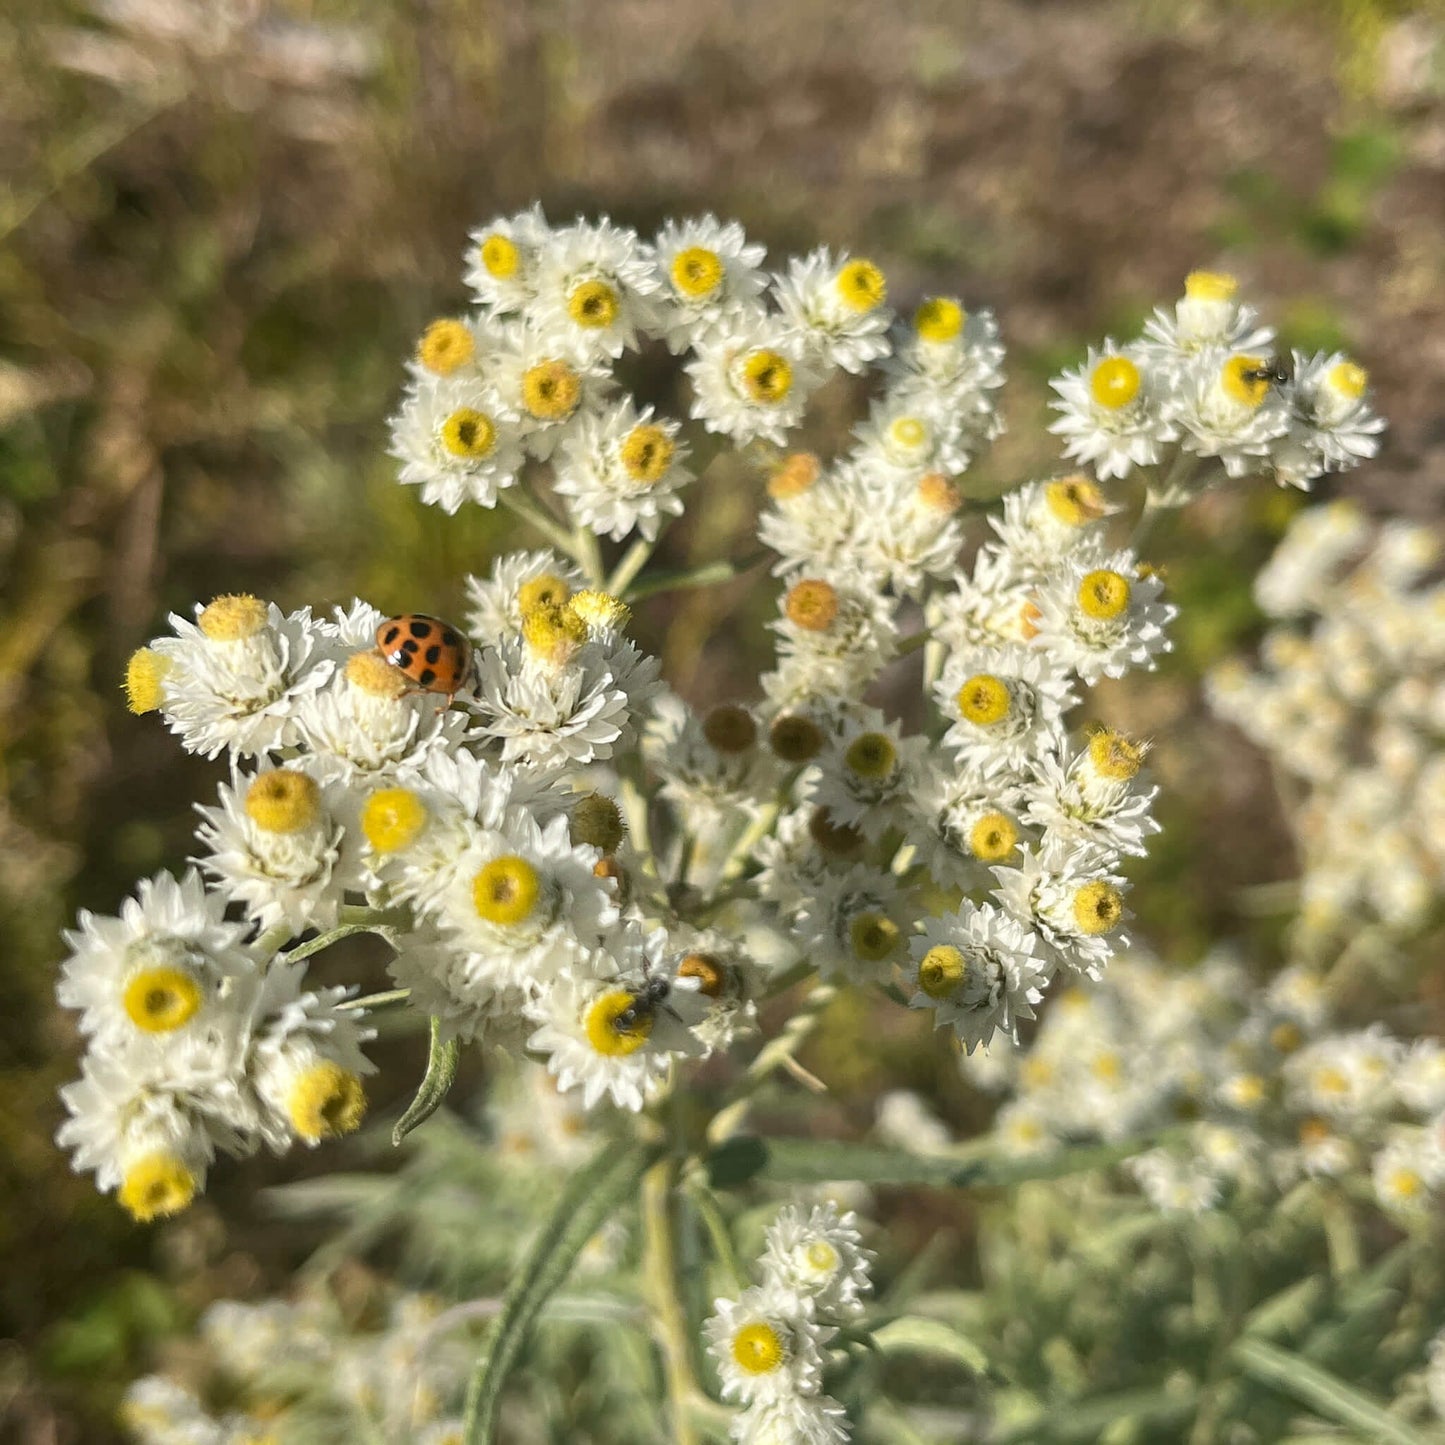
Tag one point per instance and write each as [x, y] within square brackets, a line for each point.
[597, 822]
[941, 970]
[908, 432]
[993, 837]
[282, 801]
[145, 673]
[160, 1000]
[551, 390]
[393, 818]
[1248, 1091]
[861, 285]
[984, 700]
[939, 319]
[795, 739]
[873, 937]
[1114, 756]
[233, 618]
[1104, 595]
[730, 728]
[371, 673]
[1115, 382]
[794, 475]
[1245, 380]
[1285, 1038]
[155, 1186]
[469, 434]
[711, 974]
[600, 610]
[758, 1348]
[938, 493]
[500, 256]
[1405, 1183]
[871, 756]
[554, 633]
[1108, 1067]
[1210, 286]
[1074, 500]
[646, 453]
[1330, 1080]
[697, 272]
[507, 891]
[593, 305]
[1348, 379]
[811, 604]
[609, 1033]
[821, 1256]
[1098, 908]
[446, 346]
[325, 1102]
[544, 591]
[767, 376]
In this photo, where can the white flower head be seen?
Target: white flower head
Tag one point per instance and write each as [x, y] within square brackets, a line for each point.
[518, 582]
[1095, 797]
[751, 378]
[595, 288]
[1004, 704]
[818, 1254]
[1333, 427]
[1111, 412]
[1229, 405]
[1207, 317]
[849, 926]
[768, 1346]
[837, 308]
[1044, 522]
[547, 383]
[502, 260]
[1072, 899]
[706, 271]
[866, 775]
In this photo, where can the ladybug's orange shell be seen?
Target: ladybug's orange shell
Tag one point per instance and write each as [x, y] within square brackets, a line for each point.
[434, 655]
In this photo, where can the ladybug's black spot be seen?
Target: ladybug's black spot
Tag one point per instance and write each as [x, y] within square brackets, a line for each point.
[420, 628]
[450, 638]
[410, 647]
[426, 677]
[392, 633]
[433, 653]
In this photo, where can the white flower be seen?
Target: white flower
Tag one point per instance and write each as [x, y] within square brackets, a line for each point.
[1004, 705]
[848, 925]
[706, 270]
[463, 990]
[866, 774]
[750, 379]
[595, 288]
[1044, 522]
[837, 308]
[1420, 1079]
[1227, 406]
[794, 1420]
[1093, 798]
[1173, 1184]
[962, 819]
[1332, 425]
[908, 433]
[1409, 1173]
[1072, 899]
[497, 602]
[502, 259]
[768, 1346]
[1111, 413]
[977, 970]
[1302, 574]
[714, 767]
[992, 607]
[546, 383]
[623, 471]
[457, 441]
[1206, 318]
[819, 1256]
[833, 638]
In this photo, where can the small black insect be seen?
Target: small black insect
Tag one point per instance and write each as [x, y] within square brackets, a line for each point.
[646, 1001]
[1272, 372]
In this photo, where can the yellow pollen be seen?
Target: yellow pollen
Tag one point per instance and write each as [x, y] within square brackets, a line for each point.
[600, 610]
[758, 1348]
[1104, 595]
[938, 493]
[1285, 1038]
[1098, 908]
[371, 673]
[821, 1256]
[941, 970]
[1331, 1081]
[871, 756]
[554, 633]
[607, 1035]
[155, 1186]
[730, 728]
[543, 591]
[232, 618]
[1243, 382]
[873, 937]
[1108, 1067]
[1114, 382]
[446, 346]
[593, 305]
[1314, 1132]
[282, 801]
[939, 319]
[811, 604]
[325, 1102]
[1210, 286]
[500, 256]
[1405, 1183]
[908, 431]
[145, 673]
[697, 272]
[1114, 756]
[1247, 1090]
[393, 818]
[160, 1000]
[646, 453]
[984, 700]
[795, 739]
[767, 377]
[1037, 1072]
[861, 285]
[507, 891]
[1074, 500]
[1348, 379]
[712, 975]
[794, 475]
[597, 822]
[469, 434]
[993, 837]
[551, 390]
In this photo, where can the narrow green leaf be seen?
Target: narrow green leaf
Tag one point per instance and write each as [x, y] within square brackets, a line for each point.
[1291, 1310]
[1322, 1392]
[441, 1069]
[916, 1335]
[1085, 1420]
[586, 1201]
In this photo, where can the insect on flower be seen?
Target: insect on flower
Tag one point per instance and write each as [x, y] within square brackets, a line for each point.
[1270, 372]
[646, 1001]
[433, 655]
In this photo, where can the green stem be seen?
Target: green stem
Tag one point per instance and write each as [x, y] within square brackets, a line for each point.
[377, 1000]
[705, 1202]
[588, 552]
[633, 561]
[709, 574]
[914, 642]
[659, 1269]
[529, 512]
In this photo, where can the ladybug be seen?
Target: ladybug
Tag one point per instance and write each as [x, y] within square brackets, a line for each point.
[433, 654]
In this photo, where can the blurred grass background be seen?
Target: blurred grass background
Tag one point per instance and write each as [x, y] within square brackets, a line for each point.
[222, 225]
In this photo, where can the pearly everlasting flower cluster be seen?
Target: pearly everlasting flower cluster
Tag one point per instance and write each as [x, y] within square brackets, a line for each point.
[770, 1344]
[1202, 393]
[1275, 1093]
[1349, 702]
